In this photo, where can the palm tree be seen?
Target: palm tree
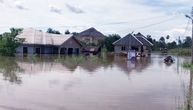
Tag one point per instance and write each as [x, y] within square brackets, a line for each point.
[168, 37]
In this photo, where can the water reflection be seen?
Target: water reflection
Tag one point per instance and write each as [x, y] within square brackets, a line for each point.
[105, 82]
[13, 67]
[188, 95]
[64, 63]
[128, 66]
[10, 69]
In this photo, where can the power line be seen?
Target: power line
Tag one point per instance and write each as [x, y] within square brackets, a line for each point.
[150, 25]
[153, 24]
[134, 20]
[186, 28]
[83, 26]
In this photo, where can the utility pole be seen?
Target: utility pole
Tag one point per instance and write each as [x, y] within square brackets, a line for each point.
[192, 35]
[191, 17]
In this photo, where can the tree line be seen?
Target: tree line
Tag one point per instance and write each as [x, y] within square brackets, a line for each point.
[9, 42]
[162, 43]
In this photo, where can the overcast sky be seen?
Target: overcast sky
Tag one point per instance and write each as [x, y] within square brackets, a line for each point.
[155, 17]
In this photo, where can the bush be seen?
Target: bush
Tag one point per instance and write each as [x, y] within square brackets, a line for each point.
[109, 40]
[9, 42]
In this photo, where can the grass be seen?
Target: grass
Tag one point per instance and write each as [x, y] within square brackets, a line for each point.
[181, 51]
[188, 94]
[188, 66]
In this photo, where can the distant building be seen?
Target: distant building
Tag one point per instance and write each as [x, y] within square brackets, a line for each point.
[91, 39]
[38, 42]
[90, 36]
[136, 42]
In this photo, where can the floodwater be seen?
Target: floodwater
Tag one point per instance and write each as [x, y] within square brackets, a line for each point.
[92, 83]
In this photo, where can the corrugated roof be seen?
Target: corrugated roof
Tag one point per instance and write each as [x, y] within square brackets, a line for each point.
[32, 36]
[143, 39]
[91, 32]
[128, 40]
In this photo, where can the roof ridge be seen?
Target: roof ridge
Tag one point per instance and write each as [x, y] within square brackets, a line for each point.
[145, 39]
[137, 40]
[118, 40]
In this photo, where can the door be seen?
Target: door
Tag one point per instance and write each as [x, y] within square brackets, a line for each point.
[63, 51]
[55, 50]
[70, 51]
[25, 50]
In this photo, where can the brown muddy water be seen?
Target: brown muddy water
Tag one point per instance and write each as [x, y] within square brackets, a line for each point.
[92, 83]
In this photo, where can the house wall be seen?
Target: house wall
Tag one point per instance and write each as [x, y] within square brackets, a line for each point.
[19, 50]
[147, 50]
[89, 40]
[71, 43]
[32, 49]
[118, 49]
[48, 50]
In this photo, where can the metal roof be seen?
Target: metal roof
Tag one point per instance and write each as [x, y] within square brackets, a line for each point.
[143, 39]
[32, 36]
[91, 32]
[128, 40]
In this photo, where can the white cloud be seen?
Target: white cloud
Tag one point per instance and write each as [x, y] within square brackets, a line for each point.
[20, 5]
[55, 9]
[1, 1]
[108, 16]
[74, 9]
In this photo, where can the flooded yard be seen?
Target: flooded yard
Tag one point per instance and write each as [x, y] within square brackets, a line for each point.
[92, 83]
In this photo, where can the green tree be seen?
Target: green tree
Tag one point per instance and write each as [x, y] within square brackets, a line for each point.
[162, 43]
[149, 38]
[172, 45]
[167, 37]
[67, 32]
[179, 42]
[187, 43]
[109, 40]
[162, 39]
[75, 33]
[9, 42]
[52, 31]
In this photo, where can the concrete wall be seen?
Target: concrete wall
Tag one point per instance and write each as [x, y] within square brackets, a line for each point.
[19, 50]
[71, 43]
[46, 49]
[89, 40]
[118, 49]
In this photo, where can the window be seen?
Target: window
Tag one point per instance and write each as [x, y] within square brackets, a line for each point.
[38, 51]
[123, 48]
[77, 50]
[135, 48]
[70, 51]
[55, 50]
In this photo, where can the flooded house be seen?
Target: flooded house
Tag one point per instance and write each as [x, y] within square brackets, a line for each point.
[91, 39]
[38, 42]
[136, 42]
